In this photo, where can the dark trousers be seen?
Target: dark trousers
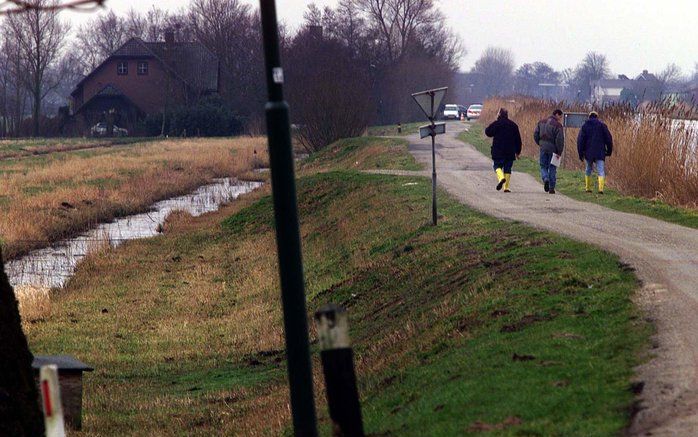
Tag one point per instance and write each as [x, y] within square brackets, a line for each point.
[504, 164]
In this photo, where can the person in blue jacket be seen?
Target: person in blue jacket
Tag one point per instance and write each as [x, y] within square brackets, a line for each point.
[506, 147]
[594, 144]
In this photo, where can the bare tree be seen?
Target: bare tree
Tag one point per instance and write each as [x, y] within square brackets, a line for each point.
[40, 36]
[396, 23]
[669, 77]
[494, 71]
[594, 66]
[14, 89]
[99, 38]
[326, 89]
[229, 29]
[528, 77]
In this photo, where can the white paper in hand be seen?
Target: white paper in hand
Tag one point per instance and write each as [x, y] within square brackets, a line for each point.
[556, 160]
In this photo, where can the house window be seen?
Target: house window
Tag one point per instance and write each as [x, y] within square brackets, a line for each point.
[122, 68]
[142, 68]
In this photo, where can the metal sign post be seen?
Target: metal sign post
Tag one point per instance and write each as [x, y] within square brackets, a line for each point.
[572, 120]
[429, 102]
[288, 241]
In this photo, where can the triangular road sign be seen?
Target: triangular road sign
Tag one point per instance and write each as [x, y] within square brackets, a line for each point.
[430, 100]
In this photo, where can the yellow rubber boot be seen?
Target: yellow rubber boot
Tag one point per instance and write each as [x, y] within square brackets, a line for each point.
[507, 180]
[500, 178]
[602, 182]
[587, 184]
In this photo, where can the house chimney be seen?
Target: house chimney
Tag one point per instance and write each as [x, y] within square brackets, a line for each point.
[644, 72]
[169, 36]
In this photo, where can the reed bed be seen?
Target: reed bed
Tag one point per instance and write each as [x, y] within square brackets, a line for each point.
[46, 199]
[655, 156]
[34, 303]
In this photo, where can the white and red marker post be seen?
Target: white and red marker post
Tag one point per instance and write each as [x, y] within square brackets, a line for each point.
[51, 401]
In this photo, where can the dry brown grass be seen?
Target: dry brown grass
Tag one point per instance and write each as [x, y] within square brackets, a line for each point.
[42, 200]
[34, 303]
[652, 158]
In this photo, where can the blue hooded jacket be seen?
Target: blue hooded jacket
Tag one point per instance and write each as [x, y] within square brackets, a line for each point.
[594, 141]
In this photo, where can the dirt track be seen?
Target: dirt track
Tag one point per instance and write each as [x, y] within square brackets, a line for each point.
[664, 255]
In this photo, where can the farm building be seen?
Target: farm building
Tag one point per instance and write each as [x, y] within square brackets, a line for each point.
[145, 78]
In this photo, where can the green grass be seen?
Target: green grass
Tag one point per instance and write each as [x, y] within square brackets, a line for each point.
[477, 322]
[364, 153]
[18, 147]
[467, 297]
[571, 183]
[391, 129]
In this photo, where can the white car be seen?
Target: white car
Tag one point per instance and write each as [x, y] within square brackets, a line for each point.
[473, 112]
[100, 130]
[453, 111]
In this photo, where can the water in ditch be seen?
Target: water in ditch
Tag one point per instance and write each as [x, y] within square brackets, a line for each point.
[53, 266]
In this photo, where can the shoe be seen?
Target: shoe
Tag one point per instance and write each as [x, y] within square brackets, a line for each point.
[600, 192]
[500, 184]
[546, 186]
[587, 183]
[602, 182]
[551, 192]
[507, 190]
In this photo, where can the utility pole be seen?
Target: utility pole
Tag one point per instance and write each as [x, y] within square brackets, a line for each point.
[288, 241]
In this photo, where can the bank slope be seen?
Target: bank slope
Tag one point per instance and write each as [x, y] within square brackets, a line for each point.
[477, 325]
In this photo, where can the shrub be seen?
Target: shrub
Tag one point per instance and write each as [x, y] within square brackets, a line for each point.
[210, 117]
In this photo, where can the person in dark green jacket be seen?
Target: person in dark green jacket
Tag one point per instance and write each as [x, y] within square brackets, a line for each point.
[506, 147]
[550, 136]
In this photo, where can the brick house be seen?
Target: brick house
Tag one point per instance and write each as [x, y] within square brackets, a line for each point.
[144, 78]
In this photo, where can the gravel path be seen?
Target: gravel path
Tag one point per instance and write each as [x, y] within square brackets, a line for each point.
[664, 255]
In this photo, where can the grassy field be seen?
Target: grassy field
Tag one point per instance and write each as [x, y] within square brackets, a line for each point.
[477, 325]
[46, 198]
[571, 183]
[20, 147]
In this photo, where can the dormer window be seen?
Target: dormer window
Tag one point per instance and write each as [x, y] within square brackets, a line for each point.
[122, 68]
[143, 68]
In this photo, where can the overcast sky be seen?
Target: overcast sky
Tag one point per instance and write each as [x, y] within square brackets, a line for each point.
[634, 35]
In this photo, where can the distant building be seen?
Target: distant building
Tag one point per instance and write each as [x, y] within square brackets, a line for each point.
[143, 78]
[607, 91]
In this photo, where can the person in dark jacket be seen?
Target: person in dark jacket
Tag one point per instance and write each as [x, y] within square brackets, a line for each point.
[550, 136]
[506, 147]
[594, 144]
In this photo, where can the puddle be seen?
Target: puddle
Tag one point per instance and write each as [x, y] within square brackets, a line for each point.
[53, 266]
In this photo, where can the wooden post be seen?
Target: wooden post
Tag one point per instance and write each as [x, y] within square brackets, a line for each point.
[338, 368]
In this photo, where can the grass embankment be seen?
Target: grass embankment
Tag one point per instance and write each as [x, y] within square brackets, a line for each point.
[391, 129]
[17, 148]
[46, 198]
[474, 325]
[571, 183]
[362, 153]
[654, 157]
